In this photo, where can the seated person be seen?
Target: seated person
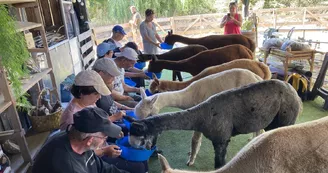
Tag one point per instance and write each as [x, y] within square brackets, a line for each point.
[72, 151]
[125, 60]
[87, 88]
[108, 70]
[118, 34]
[105, 50]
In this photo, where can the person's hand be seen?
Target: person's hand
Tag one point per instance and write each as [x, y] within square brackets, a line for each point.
[158, 45]
[119, 115]
[112, 151]
[121, 135]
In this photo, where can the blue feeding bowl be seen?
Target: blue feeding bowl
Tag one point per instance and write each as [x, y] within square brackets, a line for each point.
[140, 65]
[133, 154]
[150, 74]
[131, 114]
[148, 93]
[129, 82]
[165, 46]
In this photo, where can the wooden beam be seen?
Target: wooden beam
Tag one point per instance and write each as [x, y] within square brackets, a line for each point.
[192, 24]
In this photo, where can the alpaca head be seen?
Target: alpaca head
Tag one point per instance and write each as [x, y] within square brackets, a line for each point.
[169, 39]
[153, 65]
[139, 136]
[145, 57]
[146, 106]
[155, 85]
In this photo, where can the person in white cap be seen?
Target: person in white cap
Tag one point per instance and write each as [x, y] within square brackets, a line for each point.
[125, 60]
[108, 70]
[87, 89]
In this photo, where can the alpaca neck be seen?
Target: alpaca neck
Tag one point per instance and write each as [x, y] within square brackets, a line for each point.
[182, 120]
[185, 40]
[180, 99]
[174, 85]
[173, 65]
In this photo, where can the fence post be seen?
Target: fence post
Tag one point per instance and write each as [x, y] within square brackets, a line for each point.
[304, 16]
[172, 22]
[274, 18]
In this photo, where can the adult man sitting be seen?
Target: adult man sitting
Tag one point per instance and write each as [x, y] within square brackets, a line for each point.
[72, 151]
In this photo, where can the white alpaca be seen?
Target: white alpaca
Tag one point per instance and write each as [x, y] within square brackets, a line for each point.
[301, 148]
[194, 94]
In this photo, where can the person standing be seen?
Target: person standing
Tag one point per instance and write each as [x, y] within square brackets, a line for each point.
[135, 23]
[149, 34]
[118, 34]
[232, 21]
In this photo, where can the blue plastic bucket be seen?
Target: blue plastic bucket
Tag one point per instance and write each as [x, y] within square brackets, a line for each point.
[148, 93]
[129, 82]
[133, 154]
[140, 65]
[165, 46]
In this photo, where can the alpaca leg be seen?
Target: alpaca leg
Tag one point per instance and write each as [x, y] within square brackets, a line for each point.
[179, 76]
[196, 142]
[174, 75]
[220, 148]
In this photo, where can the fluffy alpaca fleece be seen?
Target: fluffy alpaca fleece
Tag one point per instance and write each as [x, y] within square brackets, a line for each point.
[202, 60]
[256, 67]
[264, 105]
[212, 41]
[193, 95]
[300, 148]
[175, 54]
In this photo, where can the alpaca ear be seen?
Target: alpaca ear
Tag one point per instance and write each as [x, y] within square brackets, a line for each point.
[168, 32]
[154, 99]
[154, 58]
[129, 119]
[164, 163]
[143, 93]
[138, 128]
[171, 31]
[154, 76]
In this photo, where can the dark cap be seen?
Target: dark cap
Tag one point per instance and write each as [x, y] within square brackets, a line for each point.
[118, 28]
[92, 120]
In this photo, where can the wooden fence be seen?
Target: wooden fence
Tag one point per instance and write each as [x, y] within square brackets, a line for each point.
[209, 23]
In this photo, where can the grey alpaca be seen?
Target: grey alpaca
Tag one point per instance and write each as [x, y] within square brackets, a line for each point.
[264, 105]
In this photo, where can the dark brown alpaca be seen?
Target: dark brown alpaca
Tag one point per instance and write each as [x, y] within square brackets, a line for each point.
[212, 41]
[176, 54]
[202, 60]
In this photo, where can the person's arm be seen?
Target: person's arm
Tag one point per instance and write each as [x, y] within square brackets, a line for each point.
[128, 88]
[223, 21]
[104, 167]
[122, 107]
[141, 75]
[238, 22]
[135, 70]
[144, 34]
[119, 97]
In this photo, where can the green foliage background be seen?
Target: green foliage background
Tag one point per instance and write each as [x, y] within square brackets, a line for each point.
[13, 52]
[104, 12]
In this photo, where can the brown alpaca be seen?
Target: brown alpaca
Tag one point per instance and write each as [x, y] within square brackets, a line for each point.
[202, 60]
[256, 67]
[212, 41]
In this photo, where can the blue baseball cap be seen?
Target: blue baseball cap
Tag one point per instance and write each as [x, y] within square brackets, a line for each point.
[118, 28]
[103, 48]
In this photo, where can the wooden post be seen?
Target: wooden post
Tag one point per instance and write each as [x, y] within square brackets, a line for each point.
[304, 16]
[274, 18]
[172, 22]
